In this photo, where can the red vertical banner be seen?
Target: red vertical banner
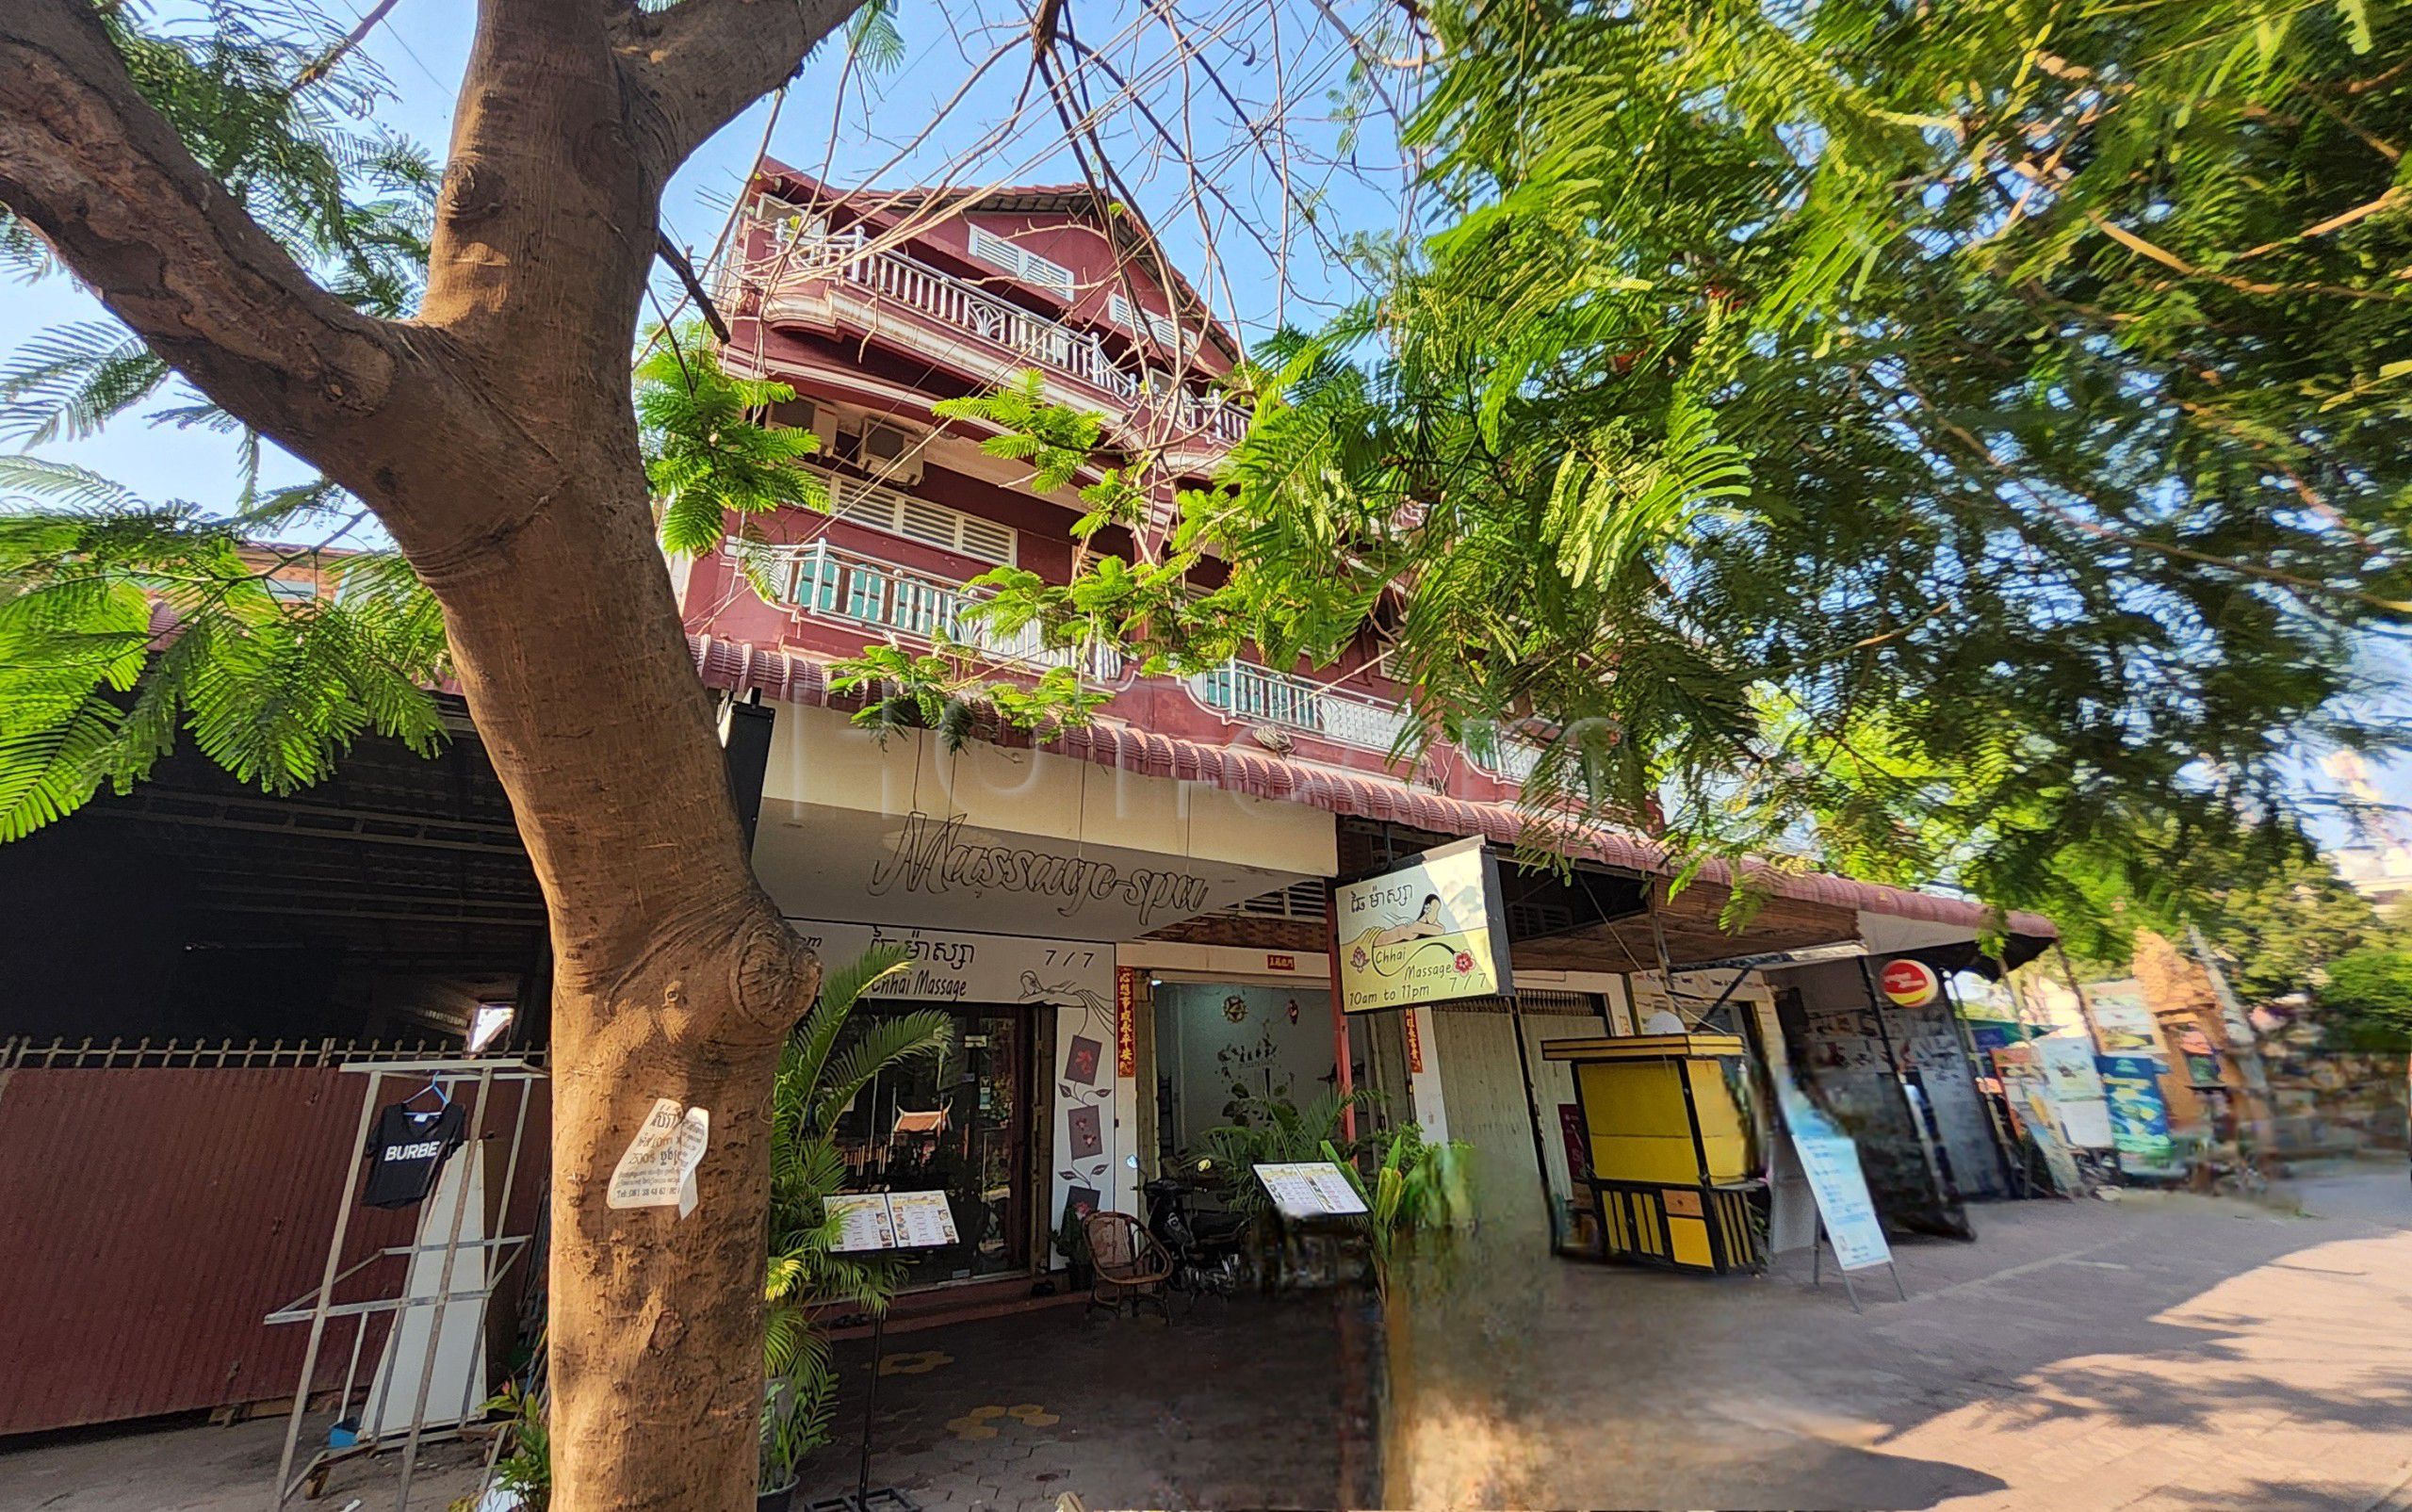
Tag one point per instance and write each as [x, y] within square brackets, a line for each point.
[1414, 1045]
[1126, 1007]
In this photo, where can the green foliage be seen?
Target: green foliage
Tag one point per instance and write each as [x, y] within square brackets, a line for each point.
[1268, 1130]
[296, 142]
[271, 689]
[822, 1070]
[711, 450]
[1056, 441]
[527, 1471]
[1415, 1198]
[1931, 438]
[2280, 929]
[948, 689]
[2366, 996]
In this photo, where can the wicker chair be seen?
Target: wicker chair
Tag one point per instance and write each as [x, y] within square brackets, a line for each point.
[1128, 1263]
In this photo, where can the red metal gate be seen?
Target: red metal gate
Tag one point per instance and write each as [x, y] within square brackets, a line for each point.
[150, 1217]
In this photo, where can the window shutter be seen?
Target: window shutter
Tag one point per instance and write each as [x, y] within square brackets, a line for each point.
[918, 519]
[1028, 266]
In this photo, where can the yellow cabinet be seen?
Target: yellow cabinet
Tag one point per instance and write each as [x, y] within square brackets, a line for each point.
[1668, 1148]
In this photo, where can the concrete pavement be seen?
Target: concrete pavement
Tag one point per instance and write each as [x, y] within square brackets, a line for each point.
[2164, 1353]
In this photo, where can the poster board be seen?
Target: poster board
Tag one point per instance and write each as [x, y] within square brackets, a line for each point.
[892, 1220]
[1309, 1188]
[2138, 1114]
[2122, 1024]
[2028, 1092]
[1431, 931]
[2066, 1061]
[1830, 1162]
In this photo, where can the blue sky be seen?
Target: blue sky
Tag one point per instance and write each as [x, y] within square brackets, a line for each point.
[1282, 61]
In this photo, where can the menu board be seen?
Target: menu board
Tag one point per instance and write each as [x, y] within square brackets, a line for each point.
[1309, 1188]
[1831, 1161]
[862, 1222]
[892, 1220]
[924, 1220]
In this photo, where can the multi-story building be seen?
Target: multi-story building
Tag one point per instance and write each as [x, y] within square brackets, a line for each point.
[1128, 918]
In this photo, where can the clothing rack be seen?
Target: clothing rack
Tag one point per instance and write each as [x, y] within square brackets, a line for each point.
[318, 1307]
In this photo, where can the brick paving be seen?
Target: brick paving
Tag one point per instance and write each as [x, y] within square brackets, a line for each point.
[1237, 1403]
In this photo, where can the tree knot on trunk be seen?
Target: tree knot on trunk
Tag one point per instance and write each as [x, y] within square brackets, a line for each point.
[774, 975]
[668, 1330]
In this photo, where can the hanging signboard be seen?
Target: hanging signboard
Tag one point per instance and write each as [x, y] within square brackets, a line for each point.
[1909, 984]
[1431, 931]
[2138, 1114]
[1830, 1162]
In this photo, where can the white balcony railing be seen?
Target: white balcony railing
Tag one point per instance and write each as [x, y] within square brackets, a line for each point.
[1020, 335]
[1245, 691]
[825, 582]
[1505, 756]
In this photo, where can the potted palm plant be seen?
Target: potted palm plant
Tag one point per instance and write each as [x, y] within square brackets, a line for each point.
[789, 1433]
[822, 1068]
[1072, 1243]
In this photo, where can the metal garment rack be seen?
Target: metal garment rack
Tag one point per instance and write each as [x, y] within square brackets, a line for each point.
[318, 1306]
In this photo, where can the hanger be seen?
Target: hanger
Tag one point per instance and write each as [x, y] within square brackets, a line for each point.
[434, 1084]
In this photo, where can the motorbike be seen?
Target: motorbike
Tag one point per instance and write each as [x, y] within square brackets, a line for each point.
[1206, 1243]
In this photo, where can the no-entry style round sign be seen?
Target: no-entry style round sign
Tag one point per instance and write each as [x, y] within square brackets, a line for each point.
[1910, 984]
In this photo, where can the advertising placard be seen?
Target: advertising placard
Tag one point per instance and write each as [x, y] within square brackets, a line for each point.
[1831, 1162]
[1430, 931]
[2138, 1114]
[2122, 1024]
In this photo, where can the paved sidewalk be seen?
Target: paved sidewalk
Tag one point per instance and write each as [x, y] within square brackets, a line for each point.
[1233, 1405]
[2164, 1353]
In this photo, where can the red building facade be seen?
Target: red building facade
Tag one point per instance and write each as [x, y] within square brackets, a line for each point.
[874, 308]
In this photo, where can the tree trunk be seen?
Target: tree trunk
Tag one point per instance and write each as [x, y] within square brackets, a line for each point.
[675, 976]
[657, 1318]
[493, 437]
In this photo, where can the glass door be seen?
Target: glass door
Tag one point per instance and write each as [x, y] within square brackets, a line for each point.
[957, 1123]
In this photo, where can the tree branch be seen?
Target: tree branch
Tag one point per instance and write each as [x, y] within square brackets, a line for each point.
[702, 63]
[85, 159]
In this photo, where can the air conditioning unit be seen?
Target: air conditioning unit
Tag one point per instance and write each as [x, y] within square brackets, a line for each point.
[821, 419]
[891, 454]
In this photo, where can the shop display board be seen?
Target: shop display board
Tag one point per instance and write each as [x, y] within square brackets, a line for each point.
[1846, 1211]
[892, 1220]
[1309, 1188]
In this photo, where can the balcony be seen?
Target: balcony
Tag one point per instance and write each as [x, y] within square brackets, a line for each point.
[1244, 690]
[1015, 336]
[829, 584]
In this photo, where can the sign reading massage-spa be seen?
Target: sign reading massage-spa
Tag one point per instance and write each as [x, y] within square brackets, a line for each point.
[1430, 931]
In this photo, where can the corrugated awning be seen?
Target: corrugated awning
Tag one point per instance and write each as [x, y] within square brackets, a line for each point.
[741, 667]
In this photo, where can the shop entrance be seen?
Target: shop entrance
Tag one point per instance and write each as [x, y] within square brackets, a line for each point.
[957, 1123]
[1221, 1047]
